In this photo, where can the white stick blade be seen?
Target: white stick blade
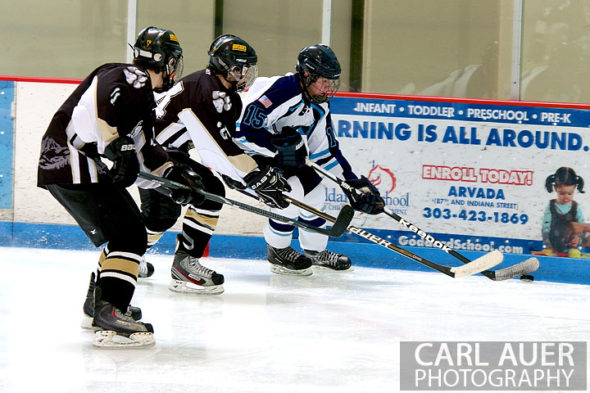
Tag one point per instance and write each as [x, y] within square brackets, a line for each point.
[478, 265]
[524, 267]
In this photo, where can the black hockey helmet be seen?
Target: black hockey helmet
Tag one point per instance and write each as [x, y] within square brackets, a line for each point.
[159, 49]
[319, 61]
[231, 55]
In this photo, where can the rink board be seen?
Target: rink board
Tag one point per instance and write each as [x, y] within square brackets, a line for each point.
[44, 236]
[470, 172]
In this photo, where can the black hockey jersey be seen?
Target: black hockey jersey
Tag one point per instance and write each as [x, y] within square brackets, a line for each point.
[114, 100]
[200, 112]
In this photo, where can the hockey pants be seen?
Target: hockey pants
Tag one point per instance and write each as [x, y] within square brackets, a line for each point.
[160, 213]
[279, 234]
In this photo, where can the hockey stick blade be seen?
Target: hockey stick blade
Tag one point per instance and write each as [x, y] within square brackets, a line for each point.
[332, 232]
[524, 267]
[478, 265]
[413, 228]
[455, 272]
[339, 224]
[344, 218]
[171, 184]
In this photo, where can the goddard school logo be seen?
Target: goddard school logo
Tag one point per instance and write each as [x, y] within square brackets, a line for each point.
[382, 178]
[385, 181]
[500, 366]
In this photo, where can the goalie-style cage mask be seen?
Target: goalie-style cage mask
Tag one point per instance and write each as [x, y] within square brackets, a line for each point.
[159, 50]
[230, 55]
[319, 61]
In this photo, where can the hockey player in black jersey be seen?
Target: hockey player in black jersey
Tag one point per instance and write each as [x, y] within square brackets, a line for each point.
[111, 115]
[285, 120]
[200, 112]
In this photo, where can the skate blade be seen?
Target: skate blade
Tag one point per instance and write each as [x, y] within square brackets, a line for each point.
[111, 340]
[188, 287]
[277, 269]
[322, 268]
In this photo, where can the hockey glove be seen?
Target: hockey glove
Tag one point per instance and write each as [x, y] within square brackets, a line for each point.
[291, 149]
[233, 184]
[125, 167]
[269, 185]
[185, 175]
[369, 201]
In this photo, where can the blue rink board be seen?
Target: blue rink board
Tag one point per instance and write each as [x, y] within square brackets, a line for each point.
[6, 143]
[567, 270]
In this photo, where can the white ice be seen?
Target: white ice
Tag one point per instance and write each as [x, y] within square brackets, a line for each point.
[330, 332]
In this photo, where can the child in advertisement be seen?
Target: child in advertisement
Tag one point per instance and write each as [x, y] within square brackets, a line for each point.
[558, 237]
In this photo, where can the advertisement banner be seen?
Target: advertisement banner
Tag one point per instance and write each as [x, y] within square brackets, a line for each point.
[471, 173]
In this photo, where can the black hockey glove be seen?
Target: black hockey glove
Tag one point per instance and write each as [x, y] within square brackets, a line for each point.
[269, 185]
[291, 149]
[185, 175]
[233, 184]
[369, 201]
[125, 168]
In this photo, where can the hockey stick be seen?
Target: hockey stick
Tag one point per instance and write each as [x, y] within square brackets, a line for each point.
[336, 230]
[473, 267]
[519, 269]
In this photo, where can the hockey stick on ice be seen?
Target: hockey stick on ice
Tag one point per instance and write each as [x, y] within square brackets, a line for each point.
[336, 230]
[473, 267]
[344, 218]
[525, 267]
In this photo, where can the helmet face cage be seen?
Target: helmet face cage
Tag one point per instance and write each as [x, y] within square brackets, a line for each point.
[229, 55]
[329, 91]
[159, 50]
[243, 75]
[315, 62]
[173, 69]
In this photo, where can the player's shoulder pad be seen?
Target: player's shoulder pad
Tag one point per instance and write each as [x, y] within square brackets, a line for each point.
[273, 92]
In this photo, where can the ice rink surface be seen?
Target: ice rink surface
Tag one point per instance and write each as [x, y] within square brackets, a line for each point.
[330, 332]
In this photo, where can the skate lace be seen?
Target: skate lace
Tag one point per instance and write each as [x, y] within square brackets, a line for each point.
[199, 269]
[327, 257]
[289, 254]
[125, 316]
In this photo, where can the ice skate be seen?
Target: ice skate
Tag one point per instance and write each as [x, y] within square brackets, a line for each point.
[288, 261]
[329, 259]
[117, 330]
[88, 308]
[189, 276]
[146, 269]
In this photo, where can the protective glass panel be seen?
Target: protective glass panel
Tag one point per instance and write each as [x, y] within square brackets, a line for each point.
[458, 48]
[61, 38]
[556, 51]
[191, 21]
[277, 30]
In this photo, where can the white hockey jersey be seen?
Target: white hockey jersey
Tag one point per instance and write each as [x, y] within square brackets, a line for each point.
[273, 103]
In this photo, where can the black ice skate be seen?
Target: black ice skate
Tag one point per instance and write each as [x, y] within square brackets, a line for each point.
[189, 276]
[146, 269]
[329, 259]
[117, 330]
[288, 261]
[88, 308]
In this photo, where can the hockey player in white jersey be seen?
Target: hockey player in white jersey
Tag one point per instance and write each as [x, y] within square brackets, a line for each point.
[285, 120]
